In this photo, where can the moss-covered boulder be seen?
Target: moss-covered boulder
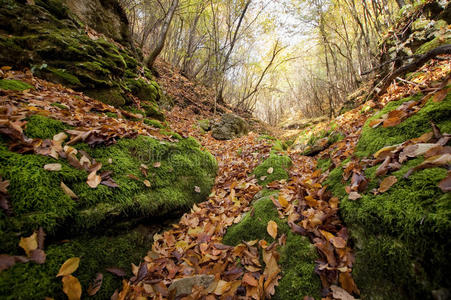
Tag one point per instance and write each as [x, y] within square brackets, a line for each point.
[400, 236]
[51, 40]
[96, 253]
[230, 126]
[297, 257]
[275, 167]
[38, 200]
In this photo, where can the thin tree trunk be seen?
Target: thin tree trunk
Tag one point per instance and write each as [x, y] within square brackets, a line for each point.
[163, 33]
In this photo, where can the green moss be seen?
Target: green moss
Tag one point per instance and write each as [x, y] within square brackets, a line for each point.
[373, 139]
[42, 127]
[152, 111]
[280, 165]
[171, 133]
[436, 42]
[15, 85]
[111, 115]
[32, 281]
[112, 96]
[297, 257]
[144, 90]
[63, 77]
[37, 199]
[59, 105]
[400, 236]
[324, 164]
[153, 123]
[204, 124]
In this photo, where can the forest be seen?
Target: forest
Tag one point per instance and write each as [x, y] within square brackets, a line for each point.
[225, 149]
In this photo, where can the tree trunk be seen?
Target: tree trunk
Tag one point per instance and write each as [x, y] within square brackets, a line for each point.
[401, 3]
[162, 37]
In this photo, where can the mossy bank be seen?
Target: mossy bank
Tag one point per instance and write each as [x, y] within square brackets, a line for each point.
[400, 236]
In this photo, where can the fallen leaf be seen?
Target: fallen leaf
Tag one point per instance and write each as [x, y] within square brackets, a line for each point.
[157, 164]
[197, 189]
[270, 170]
[68, 191]
[354, 196]
[339, 293]
[347, 282]
[440, 95]
[38, 256]
[283, 201]
[69, 266]
[147, 183]
[116, 271]
[29, 243]
[71, 287]
[93, 179]
[272, 229]
[52, 167]
[387, 183]
[445, 184]
[250, 280]
[6, 261]
[60, 138]
[95, 285]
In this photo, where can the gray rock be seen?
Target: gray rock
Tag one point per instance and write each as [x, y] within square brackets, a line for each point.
[230, 126]
[184, 286]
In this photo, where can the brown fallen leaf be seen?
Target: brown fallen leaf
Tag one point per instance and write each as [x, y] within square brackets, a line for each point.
[249, 279]
[38, 256]
[339, 293]
[197, 189]
[354, 196]
[116, 271]
[52, 167]
[157, 164]
[29, 243]
[270, 170]
[431, 162]
[71, 287]
[347, 282]
[68, 191]
[440, 95]
[387, 183]
[95, 285]
[6, 261]
[271, 228]
[93, 179]
[445, 184]
[147, 183]
[283, 201]
[69, 266]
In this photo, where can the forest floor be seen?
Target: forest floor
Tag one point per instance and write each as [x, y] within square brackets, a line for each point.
[249, 167]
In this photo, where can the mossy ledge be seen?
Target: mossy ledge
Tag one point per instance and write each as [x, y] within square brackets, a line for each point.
[50, 40]
[401, 237]
[297, 256]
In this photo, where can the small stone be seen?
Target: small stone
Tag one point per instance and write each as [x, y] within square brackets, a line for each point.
[184, 286]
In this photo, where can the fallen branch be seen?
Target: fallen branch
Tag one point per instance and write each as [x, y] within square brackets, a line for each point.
[445, 49]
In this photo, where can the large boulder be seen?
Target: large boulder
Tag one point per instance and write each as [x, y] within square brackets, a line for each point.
[229, 127]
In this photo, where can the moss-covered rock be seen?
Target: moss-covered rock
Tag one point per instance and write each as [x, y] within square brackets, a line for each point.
[51, 40]
[297, 257]
[38, 200]
[279, 164]
[373, 139]
[15, 85]
[400, 236]
[33, 281]
[144, 90]
[153, 123]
